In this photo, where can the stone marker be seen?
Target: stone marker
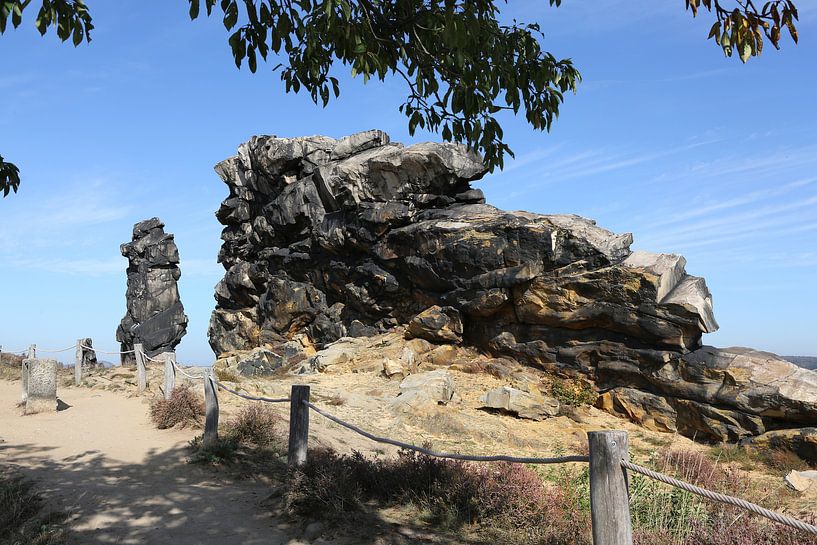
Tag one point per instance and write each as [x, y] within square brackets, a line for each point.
[41, 383]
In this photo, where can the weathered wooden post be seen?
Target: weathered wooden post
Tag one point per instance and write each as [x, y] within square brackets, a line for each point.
[141, 367]
[24, 377]
[609, 494]
[32, 351]
[298, 425]
[78, 365]
[170, 373]
[210, 409]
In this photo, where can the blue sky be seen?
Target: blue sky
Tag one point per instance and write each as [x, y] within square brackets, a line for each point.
[691, 152]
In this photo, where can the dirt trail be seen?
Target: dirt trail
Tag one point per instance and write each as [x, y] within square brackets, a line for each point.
[122, 481]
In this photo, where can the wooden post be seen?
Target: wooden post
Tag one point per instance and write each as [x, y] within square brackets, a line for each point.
[78, 365]
[609, 494]
[170, 373]
[24, 379]
[298, 425]
[32, 353]
[141, 367]
[210, 409]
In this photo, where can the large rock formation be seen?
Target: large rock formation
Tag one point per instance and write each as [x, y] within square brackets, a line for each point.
[155, 315]
[329, 238]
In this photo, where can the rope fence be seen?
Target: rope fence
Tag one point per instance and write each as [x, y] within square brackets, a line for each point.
[722, 498]
[56, 350]
[608, 462]
[249, 397]
[185, 373]
[608, 458]
[108, 353]
[446, 455]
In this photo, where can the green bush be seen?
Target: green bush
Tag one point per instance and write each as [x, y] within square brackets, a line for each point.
[223, 451]
[573, 393]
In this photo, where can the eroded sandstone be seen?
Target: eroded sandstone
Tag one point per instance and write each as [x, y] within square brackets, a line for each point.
[329, 239]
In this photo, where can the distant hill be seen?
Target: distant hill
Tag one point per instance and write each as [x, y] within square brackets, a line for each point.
[808, 362]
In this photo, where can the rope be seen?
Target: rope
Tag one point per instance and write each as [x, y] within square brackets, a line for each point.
[104, 352]
[50, 351]
[182, 371]
[251, 398]
[758, 510]
[451, 456]
[153, 359]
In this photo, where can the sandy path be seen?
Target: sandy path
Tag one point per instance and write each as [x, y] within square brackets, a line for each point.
[122, 481]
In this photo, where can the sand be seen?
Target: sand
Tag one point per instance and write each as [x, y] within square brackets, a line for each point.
[123, 481]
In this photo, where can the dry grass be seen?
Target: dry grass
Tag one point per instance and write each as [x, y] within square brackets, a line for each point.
[22, 521]
[257, 424]
[748, 458]
[184, 408]
[515, 504]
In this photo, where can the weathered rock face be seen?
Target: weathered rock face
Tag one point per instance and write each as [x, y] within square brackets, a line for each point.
[88, 359]
[331, 238]
[155, 315]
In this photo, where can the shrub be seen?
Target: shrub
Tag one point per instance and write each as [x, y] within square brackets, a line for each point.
[573, 393]
[748, 458]
[224, 374]
[184, 408]
[222, 451]
[747, 530]
[20, 520]
[257, 424]
[509, 497]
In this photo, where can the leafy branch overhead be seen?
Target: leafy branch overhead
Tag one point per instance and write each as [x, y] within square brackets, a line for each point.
[743, 27]
[461, 66]
[9, 177]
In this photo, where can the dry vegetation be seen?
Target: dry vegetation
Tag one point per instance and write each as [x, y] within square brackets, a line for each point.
[22, 520]
[512, 503]
[183, 409]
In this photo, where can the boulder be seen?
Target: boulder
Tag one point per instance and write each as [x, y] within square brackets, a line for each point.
[393, 369]
[155, 316]
[258, 362]
[648, 410]
[423, 390]
[801, 480]
[523, 404]
[802, 441]
[436, 324]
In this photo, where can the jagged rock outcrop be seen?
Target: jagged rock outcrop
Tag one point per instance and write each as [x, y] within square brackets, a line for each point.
[155, 315]
[330, 238]
[88, 358]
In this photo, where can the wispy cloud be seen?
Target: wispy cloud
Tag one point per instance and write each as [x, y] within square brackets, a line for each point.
[64, 265]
